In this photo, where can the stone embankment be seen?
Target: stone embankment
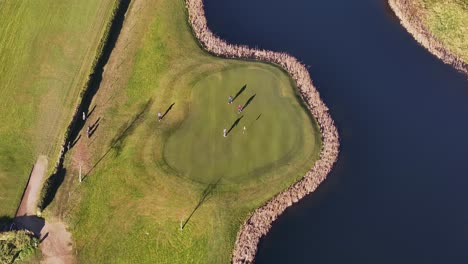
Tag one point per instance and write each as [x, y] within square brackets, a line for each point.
[411, 19]
[260, 221]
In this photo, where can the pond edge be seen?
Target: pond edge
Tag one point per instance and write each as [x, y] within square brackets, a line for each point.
[260, 221]
[414, 25]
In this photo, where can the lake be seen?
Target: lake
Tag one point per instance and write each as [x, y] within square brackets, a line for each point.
[398, 193]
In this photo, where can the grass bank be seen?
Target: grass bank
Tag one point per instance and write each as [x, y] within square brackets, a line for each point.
[439, 25]
[47, 49]
[448, 21]
[145, 179]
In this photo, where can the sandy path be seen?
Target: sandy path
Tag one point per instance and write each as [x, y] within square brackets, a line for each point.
[56, 243]
[30, 198]
[57, 246]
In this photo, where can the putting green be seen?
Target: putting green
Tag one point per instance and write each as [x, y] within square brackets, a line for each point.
[276, 127]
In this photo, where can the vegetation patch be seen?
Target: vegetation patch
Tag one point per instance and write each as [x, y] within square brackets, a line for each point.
[16, 245]
[448, 21]
[172, 188]
[46, 52]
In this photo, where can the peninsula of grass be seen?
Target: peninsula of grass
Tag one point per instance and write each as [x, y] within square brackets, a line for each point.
[47, 49]
[177, 190]
[439, 25]
[448, 21]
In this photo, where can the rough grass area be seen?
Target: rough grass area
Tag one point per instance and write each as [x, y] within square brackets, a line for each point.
[448, 21]
[46, 52]
[146, 178]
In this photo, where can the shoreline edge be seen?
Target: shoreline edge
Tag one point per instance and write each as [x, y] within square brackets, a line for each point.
[260, 221]
[413, 24]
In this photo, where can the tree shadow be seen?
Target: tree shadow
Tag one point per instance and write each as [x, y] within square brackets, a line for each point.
[52, 185]
[248, 101]
[32, 223]
[95, 78]
[234, 124]
[208, 190]
[5, 223]
[167, 110]
[242, 89]
[125, 130]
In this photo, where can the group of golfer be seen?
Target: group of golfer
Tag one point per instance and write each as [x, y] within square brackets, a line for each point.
[240, 108]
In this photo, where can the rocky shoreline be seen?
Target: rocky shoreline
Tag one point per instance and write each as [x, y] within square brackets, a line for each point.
[410, 20]
[260, 221]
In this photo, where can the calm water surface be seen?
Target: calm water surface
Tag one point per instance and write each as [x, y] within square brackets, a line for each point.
[399, 192]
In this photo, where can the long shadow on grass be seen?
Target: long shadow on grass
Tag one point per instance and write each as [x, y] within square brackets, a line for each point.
[92, 86]
[253, 121]
[208, 190]
[95, 78]
[234, 125]
[242, 89]
[248, 101]
[167, 110]
[125, 130]
[32, 223]
[52, 185]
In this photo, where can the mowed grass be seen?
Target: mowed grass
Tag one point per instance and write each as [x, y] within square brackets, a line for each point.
[46, 52]
[448, 21]
[266, 135]
[148, 178]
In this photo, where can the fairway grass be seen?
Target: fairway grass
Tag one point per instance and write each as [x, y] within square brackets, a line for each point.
[46, 53]
[176, 190]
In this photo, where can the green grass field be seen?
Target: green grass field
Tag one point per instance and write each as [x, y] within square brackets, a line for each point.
[274, 127]
[448, 21]
[147, 178]
[46, 52]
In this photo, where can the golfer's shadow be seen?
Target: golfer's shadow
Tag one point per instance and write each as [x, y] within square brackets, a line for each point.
[248, 101]
[242, 89]
[234, 124]
[167, 110]
[126, 130]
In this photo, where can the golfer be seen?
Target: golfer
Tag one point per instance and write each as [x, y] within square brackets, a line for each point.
[225, 132]
[239, 109]
[230, 100]
[159, 116]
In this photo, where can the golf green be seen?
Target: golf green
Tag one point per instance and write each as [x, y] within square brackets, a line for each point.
[269, 132]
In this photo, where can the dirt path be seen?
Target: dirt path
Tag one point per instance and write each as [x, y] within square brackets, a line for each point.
[56, 243]
[28, 204]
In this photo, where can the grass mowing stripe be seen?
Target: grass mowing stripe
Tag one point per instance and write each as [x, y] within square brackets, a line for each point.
[46, 49]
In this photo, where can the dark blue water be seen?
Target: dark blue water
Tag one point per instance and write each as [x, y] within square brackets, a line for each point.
[399, 192]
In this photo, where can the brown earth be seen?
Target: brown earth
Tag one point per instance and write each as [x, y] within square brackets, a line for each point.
[28, 205]
[56, 242]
